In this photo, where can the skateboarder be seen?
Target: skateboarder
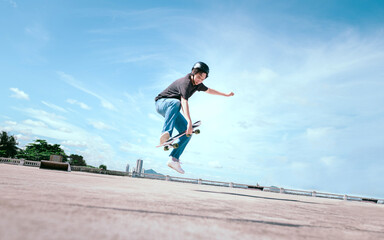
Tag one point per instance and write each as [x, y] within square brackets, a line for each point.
[175, 97]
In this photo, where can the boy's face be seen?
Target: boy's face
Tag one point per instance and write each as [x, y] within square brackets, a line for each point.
[199, 78]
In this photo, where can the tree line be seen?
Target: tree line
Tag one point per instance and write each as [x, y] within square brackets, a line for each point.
[37, 151]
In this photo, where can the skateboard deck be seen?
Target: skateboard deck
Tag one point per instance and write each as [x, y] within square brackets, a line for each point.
[170, 143]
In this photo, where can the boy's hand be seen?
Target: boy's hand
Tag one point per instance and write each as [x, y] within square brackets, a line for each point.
[230, 94]
[189, 129]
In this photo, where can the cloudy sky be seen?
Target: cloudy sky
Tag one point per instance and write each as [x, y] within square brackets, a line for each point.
[307, 75]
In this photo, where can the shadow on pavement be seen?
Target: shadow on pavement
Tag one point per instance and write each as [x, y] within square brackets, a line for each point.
[245, 195]
[190, 215]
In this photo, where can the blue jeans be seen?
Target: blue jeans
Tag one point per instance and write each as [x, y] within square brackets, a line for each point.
[169, 108]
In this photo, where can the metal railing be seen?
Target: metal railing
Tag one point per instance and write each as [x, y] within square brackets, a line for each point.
[323, 195]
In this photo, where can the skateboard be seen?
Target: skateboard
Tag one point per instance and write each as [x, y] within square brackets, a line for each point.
[170, 142]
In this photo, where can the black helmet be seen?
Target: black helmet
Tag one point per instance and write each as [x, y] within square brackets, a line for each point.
[202, 66]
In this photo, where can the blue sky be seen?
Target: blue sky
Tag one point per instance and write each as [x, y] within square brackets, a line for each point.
[307, 76]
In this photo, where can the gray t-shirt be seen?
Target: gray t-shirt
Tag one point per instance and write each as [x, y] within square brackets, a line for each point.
[182, 87]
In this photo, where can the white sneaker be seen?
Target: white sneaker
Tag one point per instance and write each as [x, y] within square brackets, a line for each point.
[164, 137]
[175, 165]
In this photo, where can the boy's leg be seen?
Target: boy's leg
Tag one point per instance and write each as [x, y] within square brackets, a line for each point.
[169, 109]
[181, 126]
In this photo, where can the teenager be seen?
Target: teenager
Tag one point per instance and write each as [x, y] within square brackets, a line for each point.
[175, 98]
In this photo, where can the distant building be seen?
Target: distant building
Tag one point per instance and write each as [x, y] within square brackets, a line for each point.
[127, 168]
[139, 166]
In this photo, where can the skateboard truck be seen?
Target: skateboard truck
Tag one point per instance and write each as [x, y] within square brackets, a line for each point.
[197, 131]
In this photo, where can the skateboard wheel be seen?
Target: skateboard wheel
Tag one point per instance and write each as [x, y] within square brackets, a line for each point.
[197, 131]
[166, 148]
[175, 145]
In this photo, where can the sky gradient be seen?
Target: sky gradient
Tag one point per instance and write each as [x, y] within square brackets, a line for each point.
[307, 76]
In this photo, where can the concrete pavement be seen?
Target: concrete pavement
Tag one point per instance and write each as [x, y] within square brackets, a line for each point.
[47, 204]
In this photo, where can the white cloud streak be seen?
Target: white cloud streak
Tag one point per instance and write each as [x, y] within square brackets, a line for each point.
[80, 104]
[54, 107]
[101, 125]
[72, 81]
[19, 94]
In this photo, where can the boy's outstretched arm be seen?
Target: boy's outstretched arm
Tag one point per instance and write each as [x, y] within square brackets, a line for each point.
[214, 92]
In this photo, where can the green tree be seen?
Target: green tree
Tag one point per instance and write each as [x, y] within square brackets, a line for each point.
[77, 160]
[103, 167]
[41, 150]
[8, 145]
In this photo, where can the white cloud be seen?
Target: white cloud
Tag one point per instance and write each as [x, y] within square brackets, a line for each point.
[33, 123]
[19, 94]
[81, 104]
[73, 143]
[100, 125]
[43, 124]
[23, 137]
[54, 107]
[136, 148]
[74, 83]
[11, 123]
[108, 105]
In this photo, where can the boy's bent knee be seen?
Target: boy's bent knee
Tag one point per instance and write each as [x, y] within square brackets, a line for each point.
[176, 103]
